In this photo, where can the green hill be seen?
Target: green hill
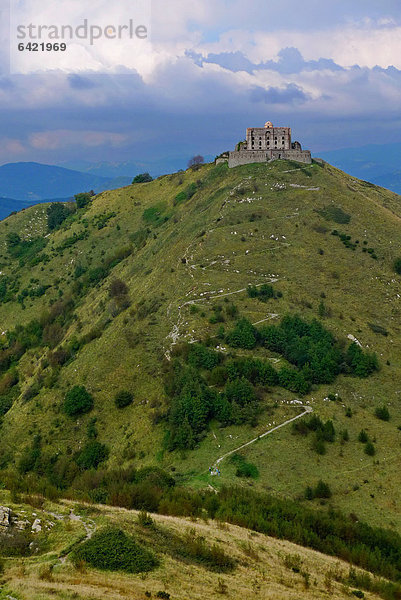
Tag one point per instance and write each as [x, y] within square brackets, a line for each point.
[106, 299]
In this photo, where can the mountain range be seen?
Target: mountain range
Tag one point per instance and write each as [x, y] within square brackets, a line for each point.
[378, 163]
[25, 183]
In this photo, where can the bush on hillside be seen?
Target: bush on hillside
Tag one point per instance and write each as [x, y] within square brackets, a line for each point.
[118, 288]
[321, 490]
[243, 335]
[123, 399]
[382, 413]
[83, 199]
[243, 467]
[57, 212]
[142, 178]
[114, 550]
[92, 454]
[77, 401]
[363, 437]
[370, 450]
[397, 265]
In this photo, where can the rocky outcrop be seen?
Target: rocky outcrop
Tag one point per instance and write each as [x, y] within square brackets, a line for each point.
[5, 516]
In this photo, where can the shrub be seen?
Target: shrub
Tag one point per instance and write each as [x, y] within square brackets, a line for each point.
[244, 468]
[263, 292]
[145, 520]
[83, 199]
[293, 562]
[113, 550]
[363, 437]
[142, 178]
[322, 490]
[118, 288]
[123, 399]
[57, 212]
[214, 558]
[16, 544]
[46, 572]
[243, 335]
[77, 401]
[382, 413]
[370, 449]
[92, 454]
[334, 213]
[318, 445]
[203, 358]
[397, 265]
[154, 214]
[186, 194]
[378, 329]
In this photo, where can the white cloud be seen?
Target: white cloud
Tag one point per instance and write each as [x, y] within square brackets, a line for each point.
[52, 140]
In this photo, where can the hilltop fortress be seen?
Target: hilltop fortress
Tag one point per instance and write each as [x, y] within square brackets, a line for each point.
[266, 143]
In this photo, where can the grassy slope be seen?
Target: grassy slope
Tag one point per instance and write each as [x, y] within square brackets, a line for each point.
[281, 240]
[260, 572]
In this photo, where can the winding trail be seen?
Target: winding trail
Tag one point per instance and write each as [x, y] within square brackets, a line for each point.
[175, 332]
[308, 410]
[90, 528]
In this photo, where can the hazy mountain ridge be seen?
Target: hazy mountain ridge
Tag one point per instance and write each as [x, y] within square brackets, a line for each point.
[32, 182]
[378, 163]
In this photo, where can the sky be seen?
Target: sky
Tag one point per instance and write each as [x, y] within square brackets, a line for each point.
[207, 69]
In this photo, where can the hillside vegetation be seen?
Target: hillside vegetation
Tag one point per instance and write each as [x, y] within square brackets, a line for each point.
[87, 552]
[165, 324]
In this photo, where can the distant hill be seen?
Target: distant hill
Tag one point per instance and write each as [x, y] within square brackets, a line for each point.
[155, 167]
[377, 163]
[35, 182]
[9, 205]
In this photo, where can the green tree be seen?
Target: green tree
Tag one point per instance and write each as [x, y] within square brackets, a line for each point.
[243, 335]
[12, 239]
[322, 490]
[382, 413]
[142, 178]
[240, 391]
[83, 199]
[77, 401]
[92, 454]
[363, 437]
[57, 212]
[370, 449]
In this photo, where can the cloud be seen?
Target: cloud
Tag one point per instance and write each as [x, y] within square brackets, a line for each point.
[290, 94]
[212, 68]
[52, 140]
[289, 60]
[77, 82]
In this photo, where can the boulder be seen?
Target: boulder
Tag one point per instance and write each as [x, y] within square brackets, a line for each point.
[5, 516]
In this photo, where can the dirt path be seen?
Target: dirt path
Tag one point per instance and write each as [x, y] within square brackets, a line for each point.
[90, 528]
[308, 410]
[175, 332]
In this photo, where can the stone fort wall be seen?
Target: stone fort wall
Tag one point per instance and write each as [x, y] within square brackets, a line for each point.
[246, 157]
